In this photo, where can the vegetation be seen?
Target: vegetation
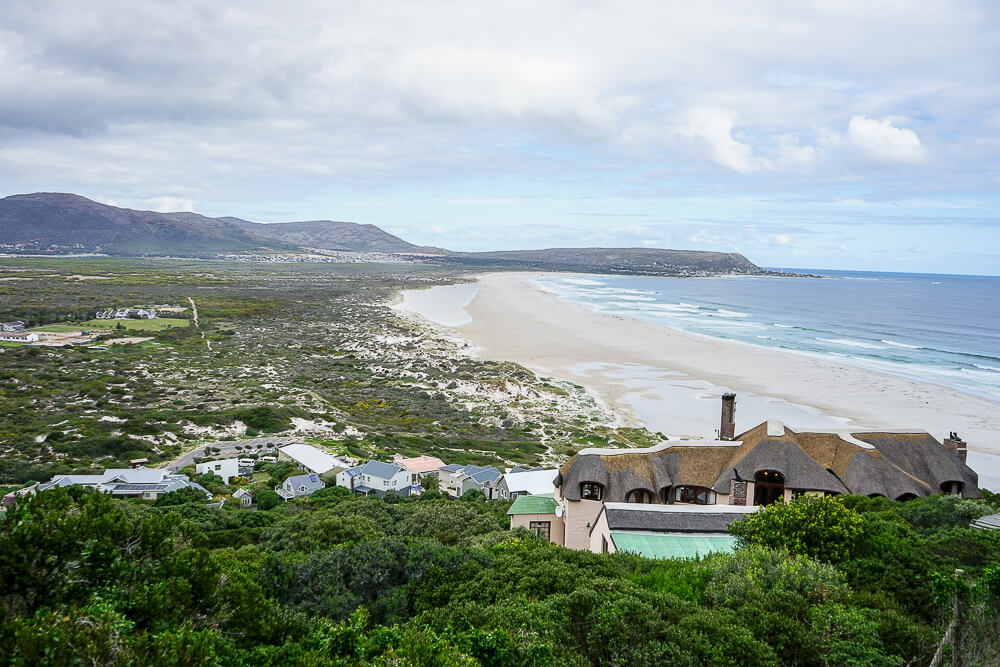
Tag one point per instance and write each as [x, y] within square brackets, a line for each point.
[342, 580]
[310, 349]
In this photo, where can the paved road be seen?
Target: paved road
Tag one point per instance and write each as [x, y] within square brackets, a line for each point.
[227, 448]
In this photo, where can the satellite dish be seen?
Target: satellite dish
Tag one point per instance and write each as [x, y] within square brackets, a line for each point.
[559, 510]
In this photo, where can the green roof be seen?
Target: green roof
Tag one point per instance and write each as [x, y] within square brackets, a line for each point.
[543, 503]
[661, 545]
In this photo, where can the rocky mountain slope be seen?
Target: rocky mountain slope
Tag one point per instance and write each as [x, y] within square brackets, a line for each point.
[58, 223]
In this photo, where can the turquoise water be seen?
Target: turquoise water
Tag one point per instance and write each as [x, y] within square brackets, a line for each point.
[942, 329]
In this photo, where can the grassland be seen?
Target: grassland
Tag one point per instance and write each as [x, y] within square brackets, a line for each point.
[305, 349]
[158, 324]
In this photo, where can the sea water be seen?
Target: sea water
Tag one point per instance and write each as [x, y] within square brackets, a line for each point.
[942, 329]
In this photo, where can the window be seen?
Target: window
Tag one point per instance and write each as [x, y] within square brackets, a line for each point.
[696, 495]
[769, 487]
[591, 491]
[540, 528]
[640, 496]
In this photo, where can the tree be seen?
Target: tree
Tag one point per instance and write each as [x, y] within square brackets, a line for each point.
[268, 499]
[188, 494]
[818, 527]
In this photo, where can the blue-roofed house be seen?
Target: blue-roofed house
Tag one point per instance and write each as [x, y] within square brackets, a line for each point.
[378, 478]
[457, 480]
[298, 486]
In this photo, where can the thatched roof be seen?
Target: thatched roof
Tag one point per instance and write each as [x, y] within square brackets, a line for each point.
[783, 455]
[923, 457]
[869, 473]
[889, 464]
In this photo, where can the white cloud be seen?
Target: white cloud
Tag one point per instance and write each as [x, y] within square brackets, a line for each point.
[883, 141]
[792, 154]
[714, 127]
[170, 204]
[782, 239]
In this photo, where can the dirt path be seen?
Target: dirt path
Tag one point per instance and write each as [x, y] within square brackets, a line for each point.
[194, 315]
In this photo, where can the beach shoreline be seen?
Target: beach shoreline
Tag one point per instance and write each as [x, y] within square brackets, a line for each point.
[669, 380]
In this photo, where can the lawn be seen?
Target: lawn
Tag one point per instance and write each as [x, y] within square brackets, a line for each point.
[136, 325]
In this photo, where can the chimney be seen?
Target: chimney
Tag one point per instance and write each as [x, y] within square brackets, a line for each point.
[727, 431]
[957, 445]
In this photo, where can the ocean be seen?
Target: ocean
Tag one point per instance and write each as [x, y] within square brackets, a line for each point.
[941, 329]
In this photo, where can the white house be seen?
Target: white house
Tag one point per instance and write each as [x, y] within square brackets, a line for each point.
[378, 478]
[148, 483]
[457, 479]
[244, 496]
[527, 483]
[224, 468]
[19, 337]
[16, 325]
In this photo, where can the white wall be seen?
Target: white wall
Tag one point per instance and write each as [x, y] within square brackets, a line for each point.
[226, 468]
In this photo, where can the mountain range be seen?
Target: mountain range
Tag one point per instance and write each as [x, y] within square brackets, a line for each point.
[60, 223]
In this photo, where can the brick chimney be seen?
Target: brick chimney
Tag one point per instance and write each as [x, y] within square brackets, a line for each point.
[727, 430]
[957, 445]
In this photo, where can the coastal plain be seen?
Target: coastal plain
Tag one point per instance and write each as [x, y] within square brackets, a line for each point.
[669, 381]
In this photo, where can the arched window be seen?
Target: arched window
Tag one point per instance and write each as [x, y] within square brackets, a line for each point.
[769, 487]
[907, 496]
[697, 495]
[640, 496]
[591, 491]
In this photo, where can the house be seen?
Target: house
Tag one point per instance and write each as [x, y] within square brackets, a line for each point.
[299, 486]
[224, 468]
[147, 483]
[16, 325]
[244, 496]
[420, 466]
[520, 482]
[127, 314]
[18, 337]
[666, 531]
[457, 479]
[769, 463]
[350, 478]
[311, 459]
[540, 514]
[378, 478]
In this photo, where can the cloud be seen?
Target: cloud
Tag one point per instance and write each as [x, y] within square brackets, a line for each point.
[714, 128]
[883, 141]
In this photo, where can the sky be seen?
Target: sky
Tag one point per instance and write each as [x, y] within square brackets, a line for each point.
[828, 134]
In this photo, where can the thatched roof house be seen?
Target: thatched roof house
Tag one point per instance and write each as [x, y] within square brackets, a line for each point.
[772, 456]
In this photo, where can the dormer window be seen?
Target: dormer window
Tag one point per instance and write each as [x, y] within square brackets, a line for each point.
[696, 495]
[640, 496]
[591, 491]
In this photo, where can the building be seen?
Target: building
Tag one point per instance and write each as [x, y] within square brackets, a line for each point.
[311, 459]
[127, 314]
[147, 483]
[376, 477]
[16, 325]
[520, 482]
[665, 531]
[420, 466]
[18, 337]
[244, 496]
[540, 514]
[299, 486]
[456, 480]
[769, 463]
[350, 478]
[224, 468]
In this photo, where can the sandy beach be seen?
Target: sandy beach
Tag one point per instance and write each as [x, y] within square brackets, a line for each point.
[670, 381]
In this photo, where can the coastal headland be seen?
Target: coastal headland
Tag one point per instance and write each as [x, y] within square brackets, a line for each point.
[669, 380]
